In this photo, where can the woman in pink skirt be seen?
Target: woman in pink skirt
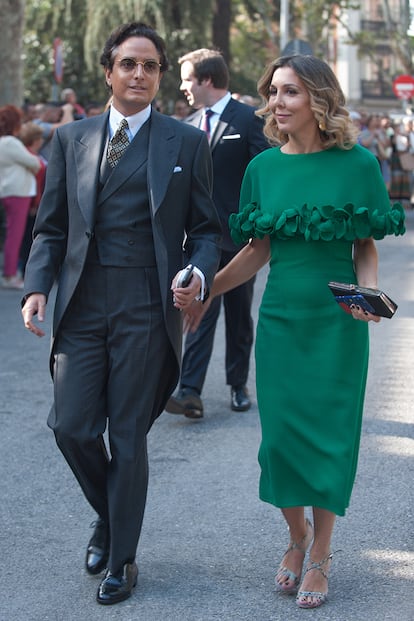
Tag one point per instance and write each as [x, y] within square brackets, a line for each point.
[17, 187]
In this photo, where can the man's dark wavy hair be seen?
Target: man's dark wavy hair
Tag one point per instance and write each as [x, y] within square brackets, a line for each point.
[126, 31]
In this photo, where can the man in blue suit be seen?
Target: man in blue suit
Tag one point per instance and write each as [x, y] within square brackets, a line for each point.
[123, 190]
[235, 135]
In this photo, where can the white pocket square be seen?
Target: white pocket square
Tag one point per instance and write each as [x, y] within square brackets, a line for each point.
[177, 169]
[231, 137]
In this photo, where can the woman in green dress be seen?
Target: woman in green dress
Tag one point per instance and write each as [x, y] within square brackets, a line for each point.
[311, 207]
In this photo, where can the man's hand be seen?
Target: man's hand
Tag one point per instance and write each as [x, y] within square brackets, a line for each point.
[34, 305]
[183, 297]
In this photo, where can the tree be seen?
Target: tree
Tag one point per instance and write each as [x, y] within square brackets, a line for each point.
[84, 26]
[11, 30]
[246, 31]
[46, 20]
[222, 17]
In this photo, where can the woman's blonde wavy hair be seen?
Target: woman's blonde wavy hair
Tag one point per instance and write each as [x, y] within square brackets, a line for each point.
[327, 101]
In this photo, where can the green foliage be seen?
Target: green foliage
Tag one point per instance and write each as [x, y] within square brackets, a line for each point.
[84, 25]
[45, 21]
[248, 51]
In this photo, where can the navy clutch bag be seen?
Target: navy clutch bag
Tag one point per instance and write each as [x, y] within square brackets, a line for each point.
[374, 301]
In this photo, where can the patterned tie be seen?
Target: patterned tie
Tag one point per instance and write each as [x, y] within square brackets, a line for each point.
[205, 122]
[118, 144]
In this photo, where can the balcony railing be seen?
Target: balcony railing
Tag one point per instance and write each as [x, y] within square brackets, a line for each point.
[373, 89]
[377, 26]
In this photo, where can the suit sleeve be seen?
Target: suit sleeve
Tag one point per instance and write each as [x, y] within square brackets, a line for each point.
[203, 229]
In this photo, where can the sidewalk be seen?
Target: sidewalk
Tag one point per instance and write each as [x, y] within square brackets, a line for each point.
[209, 547]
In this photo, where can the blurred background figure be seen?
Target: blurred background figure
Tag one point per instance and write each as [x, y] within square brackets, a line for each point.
[68, 95]
[93, 108]
[158, 105]
[31, 136]
[17, 187]
[246, 99]
[376, 140]
[356, 119]
[29, 111]
[181, 110]
[49, 117]
[402, 162]
[409, 130]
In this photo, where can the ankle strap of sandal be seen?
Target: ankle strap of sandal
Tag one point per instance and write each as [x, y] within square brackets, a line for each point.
[299, 545]
[318, 566]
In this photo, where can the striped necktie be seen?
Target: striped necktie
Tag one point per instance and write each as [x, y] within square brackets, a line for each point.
[205, 122]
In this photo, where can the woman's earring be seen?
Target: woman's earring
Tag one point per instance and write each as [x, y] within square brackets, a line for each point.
[322, 126]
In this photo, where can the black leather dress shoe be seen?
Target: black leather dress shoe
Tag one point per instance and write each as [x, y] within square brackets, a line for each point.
[186, 402]
[98, 548]
[116, 587]
[240, 401]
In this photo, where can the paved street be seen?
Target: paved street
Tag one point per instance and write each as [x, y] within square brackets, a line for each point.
[209, 547]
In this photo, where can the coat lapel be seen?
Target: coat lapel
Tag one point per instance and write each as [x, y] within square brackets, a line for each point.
[218, 132]
[224, 121]
[194, 118]
[88, 150]
[221, 126]
[164, 147]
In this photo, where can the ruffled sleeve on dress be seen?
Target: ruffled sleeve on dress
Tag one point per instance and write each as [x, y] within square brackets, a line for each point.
[325, 223]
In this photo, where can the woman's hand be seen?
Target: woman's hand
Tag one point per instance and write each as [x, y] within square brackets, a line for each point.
[363, 315]
[194, 314]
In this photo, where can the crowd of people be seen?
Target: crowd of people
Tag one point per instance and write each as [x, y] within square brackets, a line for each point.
[391, 139]
[25, 143]
[119, 223]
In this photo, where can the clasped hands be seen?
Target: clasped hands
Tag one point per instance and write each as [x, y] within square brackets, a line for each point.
[186, 299]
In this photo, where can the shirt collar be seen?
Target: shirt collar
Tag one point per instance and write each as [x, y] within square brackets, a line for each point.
[135, 121]
[221, 104]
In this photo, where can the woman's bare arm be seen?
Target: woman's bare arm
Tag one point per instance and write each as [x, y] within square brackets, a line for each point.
[241, 268]
[366, 269]
[366, 262]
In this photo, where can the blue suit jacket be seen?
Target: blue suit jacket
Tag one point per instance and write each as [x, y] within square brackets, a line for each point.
[237, 138]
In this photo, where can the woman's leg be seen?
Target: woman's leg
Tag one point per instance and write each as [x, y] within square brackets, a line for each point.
[301, 533]
[314, 580]
[17, 210]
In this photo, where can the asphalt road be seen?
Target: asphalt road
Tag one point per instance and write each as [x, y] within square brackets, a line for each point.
[209, 547]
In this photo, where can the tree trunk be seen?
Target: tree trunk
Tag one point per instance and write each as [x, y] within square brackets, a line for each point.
[221, 27]
[11, 33]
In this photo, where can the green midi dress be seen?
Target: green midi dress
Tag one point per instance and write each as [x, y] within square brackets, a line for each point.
[311, 356]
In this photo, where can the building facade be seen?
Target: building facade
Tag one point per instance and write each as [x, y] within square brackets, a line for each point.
[367, 80]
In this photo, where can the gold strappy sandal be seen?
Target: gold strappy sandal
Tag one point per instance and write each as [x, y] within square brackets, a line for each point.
[287, 574]
[317, 597]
